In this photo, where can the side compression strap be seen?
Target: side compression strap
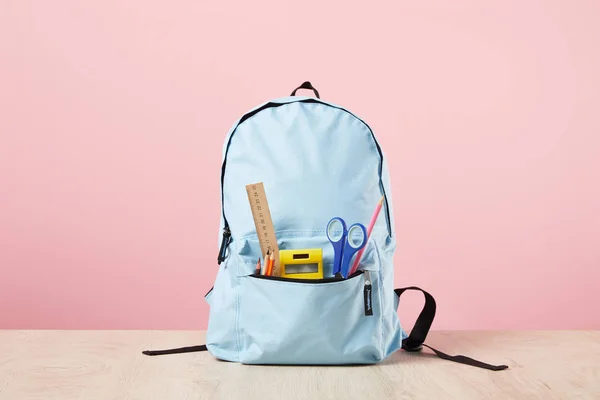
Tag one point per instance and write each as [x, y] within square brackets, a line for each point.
[416, 338]
[175, 351]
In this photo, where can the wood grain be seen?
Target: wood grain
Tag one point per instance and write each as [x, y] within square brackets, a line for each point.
[109, 365]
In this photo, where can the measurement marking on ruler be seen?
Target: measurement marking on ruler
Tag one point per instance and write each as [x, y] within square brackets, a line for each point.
[262, 222]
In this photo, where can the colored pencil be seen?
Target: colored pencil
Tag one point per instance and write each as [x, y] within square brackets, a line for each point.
[369, 230]
[263, 268]
[270, 267]
[257, 271]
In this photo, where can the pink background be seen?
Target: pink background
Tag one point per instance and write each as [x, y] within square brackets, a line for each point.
[113, 114]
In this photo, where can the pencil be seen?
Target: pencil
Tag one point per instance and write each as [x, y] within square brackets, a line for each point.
[263, 268]
[257, 271]
[270, 267]
[369, 230]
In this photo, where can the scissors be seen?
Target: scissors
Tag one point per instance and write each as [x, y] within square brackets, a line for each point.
[345, 245]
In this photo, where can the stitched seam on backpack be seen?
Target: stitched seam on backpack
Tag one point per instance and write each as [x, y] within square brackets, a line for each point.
[237, 320]
[380, 285]
[237, 313]
[323, 284]
[291, 233]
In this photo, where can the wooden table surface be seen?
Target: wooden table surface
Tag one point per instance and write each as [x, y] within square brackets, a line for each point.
[94, 365]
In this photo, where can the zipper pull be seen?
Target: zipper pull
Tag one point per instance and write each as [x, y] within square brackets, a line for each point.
[367, 294]
[224, 244]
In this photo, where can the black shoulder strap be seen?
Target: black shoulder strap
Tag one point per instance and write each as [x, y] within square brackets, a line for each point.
[416, 338]
[175, 351]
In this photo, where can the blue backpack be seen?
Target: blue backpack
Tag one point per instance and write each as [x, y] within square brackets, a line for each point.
[317, 161]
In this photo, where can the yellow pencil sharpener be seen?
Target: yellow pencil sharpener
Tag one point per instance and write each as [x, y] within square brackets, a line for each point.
[301, 264]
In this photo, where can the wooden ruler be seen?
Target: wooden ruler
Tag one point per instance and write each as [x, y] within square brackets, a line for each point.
[263, 223]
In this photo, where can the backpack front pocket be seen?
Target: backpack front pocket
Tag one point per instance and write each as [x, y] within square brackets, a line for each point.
[330, 321]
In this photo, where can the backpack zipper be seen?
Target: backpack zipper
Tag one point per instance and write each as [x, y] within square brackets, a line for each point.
[299, 280]
[224, 244]
[226, 229]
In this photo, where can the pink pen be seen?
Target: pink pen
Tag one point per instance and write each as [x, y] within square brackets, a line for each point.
[369, 230]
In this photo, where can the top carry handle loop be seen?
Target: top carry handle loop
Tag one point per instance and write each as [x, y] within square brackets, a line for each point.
[306, 85]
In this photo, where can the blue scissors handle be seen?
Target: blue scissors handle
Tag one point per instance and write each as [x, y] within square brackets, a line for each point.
[351, 247]
[344, 244]
[337, 241]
